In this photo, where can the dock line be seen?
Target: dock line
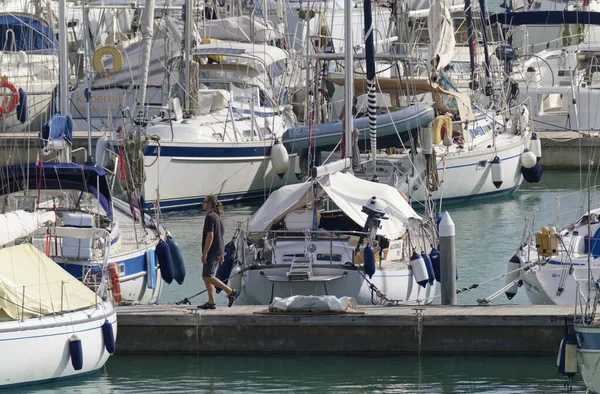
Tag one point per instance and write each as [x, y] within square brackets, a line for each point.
[186, 300]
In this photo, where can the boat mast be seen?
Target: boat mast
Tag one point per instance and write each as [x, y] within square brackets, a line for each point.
[349, 76]
[188, 53]
[469, 21]
[63, 59]
[88, 86]
[371, 81]
[147, 33]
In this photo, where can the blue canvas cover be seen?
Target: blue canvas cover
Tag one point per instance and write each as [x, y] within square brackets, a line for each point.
[25, 33]
[57, 176]
[545, 18]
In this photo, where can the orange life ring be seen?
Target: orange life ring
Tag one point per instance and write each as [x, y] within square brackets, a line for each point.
[10, 102]
[442, 124]
[115, 282]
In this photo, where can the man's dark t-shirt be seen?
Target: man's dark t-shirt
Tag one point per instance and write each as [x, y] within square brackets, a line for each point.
[214, 224]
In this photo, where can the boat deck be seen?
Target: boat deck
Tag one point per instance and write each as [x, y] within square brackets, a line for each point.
[133, 235]
[499, 329]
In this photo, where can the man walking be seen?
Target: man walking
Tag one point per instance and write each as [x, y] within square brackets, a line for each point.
[213, 246]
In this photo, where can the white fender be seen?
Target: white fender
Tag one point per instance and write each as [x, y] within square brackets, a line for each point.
[528, 159]
[236, 280]
[497, 176]
[279, 158]
[535, 146]
[101, 156]
[513, 264]
[419, 270]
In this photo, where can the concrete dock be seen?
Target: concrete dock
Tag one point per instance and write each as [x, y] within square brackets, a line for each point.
[431, 330]
[568, 150]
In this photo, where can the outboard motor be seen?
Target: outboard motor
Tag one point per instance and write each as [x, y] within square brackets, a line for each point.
[508, 54]
[375, 210]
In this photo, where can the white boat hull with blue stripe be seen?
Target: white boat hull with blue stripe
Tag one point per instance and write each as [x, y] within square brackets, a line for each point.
[81, 196]
[187, 172]
[588, 354]
[464, 171]
[36, 350]
[559, 276]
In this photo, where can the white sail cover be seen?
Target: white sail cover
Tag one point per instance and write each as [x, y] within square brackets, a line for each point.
[47, 288]
[441, 35]
[147, 34]
[17, 224]
[348, 192]
[239, 28]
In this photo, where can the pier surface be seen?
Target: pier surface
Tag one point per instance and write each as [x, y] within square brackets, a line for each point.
[568, 150]
[429, 330]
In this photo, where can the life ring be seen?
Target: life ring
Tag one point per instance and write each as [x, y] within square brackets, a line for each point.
[216, 58]
[442, 124]
[112, 52]
[115, 282]
[10, 102]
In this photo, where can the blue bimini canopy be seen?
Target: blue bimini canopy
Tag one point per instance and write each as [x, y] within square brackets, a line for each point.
[57, 176]
[25, 33]
[532, 18]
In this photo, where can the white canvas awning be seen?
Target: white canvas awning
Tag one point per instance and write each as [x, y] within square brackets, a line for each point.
[26, 274]
[238, 28]
[348, 192]
[17, 224]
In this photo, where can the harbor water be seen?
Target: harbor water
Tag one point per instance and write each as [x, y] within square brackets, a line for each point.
[319, 374]
[487, 234]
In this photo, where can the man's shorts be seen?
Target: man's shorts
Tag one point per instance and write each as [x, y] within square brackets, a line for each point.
[210, 268]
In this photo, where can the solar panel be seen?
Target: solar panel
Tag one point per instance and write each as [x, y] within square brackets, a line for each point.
[220, 51]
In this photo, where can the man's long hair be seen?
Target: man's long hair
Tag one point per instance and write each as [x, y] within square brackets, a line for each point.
[215, 204]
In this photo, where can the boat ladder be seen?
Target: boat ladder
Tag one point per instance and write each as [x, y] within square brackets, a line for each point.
[301, 268]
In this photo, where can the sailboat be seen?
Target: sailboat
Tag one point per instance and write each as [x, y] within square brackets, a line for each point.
[554, 264]
[468, 151]
[554, 79]
[52, 326]
[339, 235]
[29, 68]
[81, 195]
[580, 347]
[223, 130]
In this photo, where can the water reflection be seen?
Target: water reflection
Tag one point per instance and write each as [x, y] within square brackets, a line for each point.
[320, 374]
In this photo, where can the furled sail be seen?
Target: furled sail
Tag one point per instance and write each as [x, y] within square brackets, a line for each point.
[18, 224]
[441, 35]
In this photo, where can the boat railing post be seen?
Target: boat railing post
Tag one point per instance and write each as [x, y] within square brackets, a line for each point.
[23, 305]
[330, 248]
[448, 259]
[62, 294]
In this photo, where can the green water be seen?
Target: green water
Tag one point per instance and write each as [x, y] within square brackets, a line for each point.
[319, 374]
[487, 234]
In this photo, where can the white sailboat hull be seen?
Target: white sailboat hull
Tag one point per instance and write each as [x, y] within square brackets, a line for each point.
[36, 350]
[542, 284]
[588, 355]
[186, 172]
[468, 174]
[262, 284]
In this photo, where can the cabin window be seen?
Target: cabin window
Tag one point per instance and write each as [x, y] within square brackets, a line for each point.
[329, 257]
[290, 257]
[553, 104]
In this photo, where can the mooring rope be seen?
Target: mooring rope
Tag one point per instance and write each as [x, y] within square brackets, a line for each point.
[186, 300]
